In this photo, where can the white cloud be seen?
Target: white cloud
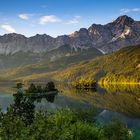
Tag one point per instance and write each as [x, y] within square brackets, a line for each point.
[24, 16]
[49, 19]
[136, 9]
[8, 28]
[75, 20]
[126, 10]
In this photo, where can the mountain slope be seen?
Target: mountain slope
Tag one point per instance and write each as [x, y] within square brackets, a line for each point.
[65, 58]
[122, 66]
[20, 59]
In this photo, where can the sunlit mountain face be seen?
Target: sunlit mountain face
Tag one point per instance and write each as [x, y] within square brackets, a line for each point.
[124, 31]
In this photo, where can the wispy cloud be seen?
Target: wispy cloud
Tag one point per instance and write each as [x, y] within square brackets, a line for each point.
[75, 20]
[127, 10]
[24, 16]
[8, 28]
[49, 19]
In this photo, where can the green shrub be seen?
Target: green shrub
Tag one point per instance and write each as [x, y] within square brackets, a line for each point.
[116, 131]
[60, 125]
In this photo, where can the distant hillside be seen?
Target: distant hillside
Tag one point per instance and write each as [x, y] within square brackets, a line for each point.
[20, 59]
[122, 66]
[57, 59]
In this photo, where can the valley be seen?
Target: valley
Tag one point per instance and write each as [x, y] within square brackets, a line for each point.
[87, 53]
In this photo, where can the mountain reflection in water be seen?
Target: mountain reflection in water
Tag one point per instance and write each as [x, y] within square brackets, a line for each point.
[115, 101]
[123, 99]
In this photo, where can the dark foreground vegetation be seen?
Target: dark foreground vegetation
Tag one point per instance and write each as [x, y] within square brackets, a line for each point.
[22, 122]
[61, 125]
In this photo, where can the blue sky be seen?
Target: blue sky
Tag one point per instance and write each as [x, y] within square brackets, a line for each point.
[57, 17]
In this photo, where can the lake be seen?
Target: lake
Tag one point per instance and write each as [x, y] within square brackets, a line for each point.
[120, 102]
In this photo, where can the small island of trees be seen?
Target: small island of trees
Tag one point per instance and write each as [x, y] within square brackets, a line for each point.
[50, 86]
[37, 92]
[84, 84]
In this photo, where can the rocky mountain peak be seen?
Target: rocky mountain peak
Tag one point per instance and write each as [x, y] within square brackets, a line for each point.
[81, 32]
[124, 20]
[13, 35]
[41, 36]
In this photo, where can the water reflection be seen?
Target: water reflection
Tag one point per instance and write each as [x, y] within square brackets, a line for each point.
[124, 99]
[50, 97]
[121, 88]
[106, 116]
[117, 98]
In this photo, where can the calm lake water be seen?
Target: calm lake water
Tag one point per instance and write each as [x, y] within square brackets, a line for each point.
[120, 102]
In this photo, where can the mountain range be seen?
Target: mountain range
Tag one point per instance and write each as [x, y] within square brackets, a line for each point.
[124, 31]
[100, 52]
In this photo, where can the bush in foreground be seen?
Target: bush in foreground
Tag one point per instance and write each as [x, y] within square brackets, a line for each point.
[61, 125]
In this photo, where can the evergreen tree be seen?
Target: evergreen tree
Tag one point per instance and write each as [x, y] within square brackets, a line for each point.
[32, 88]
